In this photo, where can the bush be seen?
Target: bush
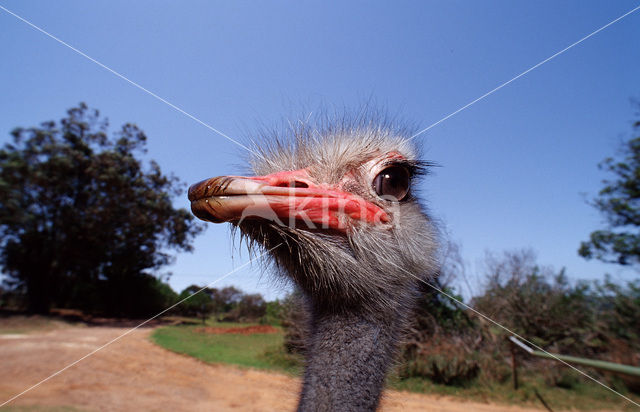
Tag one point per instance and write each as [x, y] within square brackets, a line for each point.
[560, 376]
[444, 364]
[273, 313]
[134, 296]
[541, 305]
[250, 308]
[295, 320]
[199, 302]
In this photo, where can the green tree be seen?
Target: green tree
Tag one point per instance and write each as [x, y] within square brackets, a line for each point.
[619, 203]
[539, 303]
[274, 312]
[83, 221]
[199, 304]
[620, 310]
[251, 307]
[225, 299]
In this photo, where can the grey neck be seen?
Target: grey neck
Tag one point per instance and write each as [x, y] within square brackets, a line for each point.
[347, 360]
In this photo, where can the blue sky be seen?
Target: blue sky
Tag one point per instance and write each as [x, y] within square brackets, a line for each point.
[516, 167]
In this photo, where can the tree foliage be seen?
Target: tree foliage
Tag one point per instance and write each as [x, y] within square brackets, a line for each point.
[589, 319]
[241, 307]
[230, 304]
[199, 302]
[619, 203]
[83, 222]
[540, 304]
[225, 299]
[620, 310]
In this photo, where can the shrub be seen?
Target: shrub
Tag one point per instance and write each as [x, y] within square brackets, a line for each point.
[295, 319]
[249, 308]
[444, 364]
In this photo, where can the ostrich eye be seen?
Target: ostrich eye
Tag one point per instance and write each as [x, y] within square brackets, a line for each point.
[392, 182]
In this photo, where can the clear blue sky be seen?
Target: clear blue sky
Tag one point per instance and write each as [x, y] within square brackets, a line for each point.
[515, 166]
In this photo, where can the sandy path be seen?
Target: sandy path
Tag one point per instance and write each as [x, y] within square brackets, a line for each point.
[133, 374]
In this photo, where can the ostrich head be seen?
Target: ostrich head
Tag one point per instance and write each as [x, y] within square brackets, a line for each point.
[338, 202]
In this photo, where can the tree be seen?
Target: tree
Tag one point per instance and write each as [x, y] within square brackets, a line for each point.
[225, 299]
[539, 303]
[620, 310]
[619, 203]
[274, 311]
[251, 306]
[199, 304]
[239, 306]
[295, 320]
[82, 220]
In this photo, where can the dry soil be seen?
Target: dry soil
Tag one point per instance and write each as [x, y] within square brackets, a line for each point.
[133, 374]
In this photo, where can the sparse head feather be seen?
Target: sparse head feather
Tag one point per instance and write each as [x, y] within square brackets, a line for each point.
[329, 143]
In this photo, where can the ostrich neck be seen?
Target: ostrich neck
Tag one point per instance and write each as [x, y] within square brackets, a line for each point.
[347, 360]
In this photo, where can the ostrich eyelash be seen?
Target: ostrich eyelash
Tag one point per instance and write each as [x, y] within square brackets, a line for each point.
[415, 167]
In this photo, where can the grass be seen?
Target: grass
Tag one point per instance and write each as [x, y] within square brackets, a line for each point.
[266, 351]
[582, 396]
[261, 351]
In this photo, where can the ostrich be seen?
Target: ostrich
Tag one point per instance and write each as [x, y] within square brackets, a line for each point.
[334, 204]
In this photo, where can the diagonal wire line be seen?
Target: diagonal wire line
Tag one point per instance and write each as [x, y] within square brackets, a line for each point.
[152, 94]
[505, 328]
[524, 72]
[136, 327]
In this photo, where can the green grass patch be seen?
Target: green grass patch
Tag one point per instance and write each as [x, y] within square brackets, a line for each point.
[260, 350]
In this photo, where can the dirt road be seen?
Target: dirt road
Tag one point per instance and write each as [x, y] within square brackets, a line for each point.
[133, 374]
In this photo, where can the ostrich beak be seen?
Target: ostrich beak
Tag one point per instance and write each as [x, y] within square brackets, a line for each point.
[286, 198]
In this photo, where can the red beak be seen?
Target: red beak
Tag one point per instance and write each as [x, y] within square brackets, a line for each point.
[287, 198]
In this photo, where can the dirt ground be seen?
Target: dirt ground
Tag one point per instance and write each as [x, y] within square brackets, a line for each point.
[133, 374]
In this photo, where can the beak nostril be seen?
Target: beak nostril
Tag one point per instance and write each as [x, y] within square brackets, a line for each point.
[293, 183]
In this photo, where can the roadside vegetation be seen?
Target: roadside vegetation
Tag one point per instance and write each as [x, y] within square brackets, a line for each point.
[269, 351]
[257, 350]
[450, 350]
